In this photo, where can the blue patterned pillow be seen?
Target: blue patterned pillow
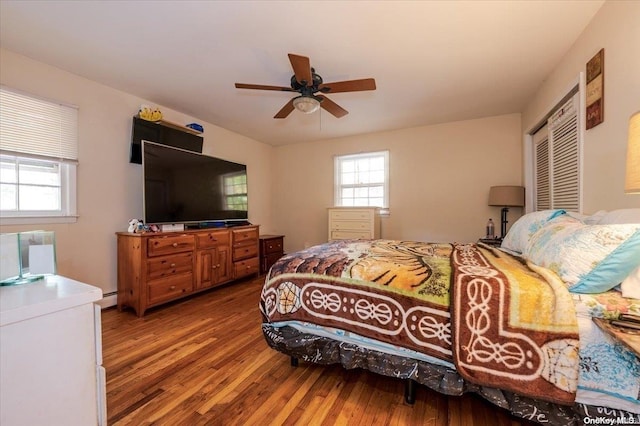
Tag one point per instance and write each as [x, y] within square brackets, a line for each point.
[523, 229]
[588, 258]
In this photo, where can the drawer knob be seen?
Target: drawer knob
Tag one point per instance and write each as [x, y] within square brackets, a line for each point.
[173, 265]
[173, 287]
[270, 247]
[175, 244]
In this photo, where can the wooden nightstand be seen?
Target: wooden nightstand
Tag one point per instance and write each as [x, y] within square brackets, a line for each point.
[493, 242]
[271, 249]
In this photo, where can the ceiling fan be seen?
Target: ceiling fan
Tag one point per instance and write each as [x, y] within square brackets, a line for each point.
[306, 82]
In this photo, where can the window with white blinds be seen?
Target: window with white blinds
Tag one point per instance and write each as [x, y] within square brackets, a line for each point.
[30, 125]
[557, 160]
[38, 159]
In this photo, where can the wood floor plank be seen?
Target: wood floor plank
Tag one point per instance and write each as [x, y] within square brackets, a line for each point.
[204, 361]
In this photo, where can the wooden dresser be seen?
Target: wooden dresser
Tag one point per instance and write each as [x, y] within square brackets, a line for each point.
[271, 249]
[156, 268]
[354, 222]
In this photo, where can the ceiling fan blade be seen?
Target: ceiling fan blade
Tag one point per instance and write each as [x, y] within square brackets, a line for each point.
[301, 68]
[348, 86]
[263, 87]
[332, 107]
[285, 111]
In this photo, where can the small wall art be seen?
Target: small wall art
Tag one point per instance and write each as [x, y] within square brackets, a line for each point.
[595, 90]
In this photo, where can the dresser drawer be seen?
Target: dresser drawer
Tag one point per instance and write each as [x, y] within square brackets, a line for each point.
[170, 288]
[243, 252]
[246, 267]
[348, 235]
[272, 245]
[160, 267]
[351, 214]
[243, 235]
[268, 261]
[339, 225]
[212, 239]
[157, 246]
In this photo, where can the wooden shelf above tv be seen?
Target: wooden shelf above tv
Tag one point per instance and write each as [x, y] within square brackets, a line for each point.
[164, 133]
[179, 127]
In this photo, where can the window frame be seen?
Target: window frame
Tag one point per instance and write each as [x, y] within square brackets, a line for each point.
[338, 176]
[21, 145]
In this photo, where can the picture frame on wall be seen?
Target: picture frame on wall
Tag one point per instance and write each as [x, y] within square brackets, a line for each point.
[595, 90]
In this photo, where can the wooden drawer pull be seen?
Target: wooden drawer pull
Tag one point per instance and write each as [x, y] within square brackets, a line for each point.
[175, 244]
[173, 287]
[173, 265]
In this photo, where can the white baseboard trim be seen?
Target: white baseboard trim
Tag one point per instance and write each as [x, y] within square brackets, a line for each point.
[108, 301]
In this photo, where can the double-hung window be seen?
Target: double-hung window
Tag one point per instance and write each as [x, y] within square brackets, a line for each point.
[38, 159]
[362, 179]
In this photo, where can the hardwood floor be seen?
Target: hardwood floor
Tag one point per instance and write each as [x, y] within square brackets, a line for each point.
[203, 361]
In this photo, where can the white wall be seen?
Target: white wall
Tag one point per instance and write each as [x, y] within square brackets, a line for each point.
[109, 187]
[439, 180]
[616, 28]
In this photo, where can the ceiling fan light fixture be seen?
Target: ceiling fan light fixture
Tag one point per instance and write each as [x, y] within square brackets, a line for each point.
[306, 104]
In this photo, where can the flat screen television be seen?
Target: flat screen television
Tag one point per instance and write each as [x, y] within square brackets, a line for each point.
[186, 187]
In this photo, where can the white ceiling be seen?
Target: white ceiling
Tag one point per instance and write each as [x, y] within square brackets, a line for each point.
[433, 61]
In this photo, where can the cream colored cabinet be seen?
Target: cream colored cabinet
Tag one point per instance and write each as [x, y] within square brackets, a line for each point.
[51, 369]
[354, 223]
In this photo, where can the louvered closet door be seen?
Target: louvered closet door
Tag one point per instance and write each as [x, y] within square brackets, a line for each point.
[565, 160]
[557, 160]
[542, 188]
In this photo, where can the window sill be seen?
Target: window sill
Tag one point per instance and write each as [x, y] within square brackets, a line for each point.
[37, 220]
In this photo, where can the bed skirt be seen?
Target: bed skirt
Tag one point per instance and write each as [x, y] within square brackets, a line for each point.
[323, 350]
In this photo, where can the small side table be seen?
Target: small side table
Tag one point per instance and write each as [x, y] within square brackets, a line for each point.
[493, 242]
[630, 338]
[271, 249]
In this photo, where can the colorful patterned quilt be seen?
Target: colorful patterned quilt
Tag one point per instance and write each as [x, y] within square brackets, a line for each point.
[504, 324]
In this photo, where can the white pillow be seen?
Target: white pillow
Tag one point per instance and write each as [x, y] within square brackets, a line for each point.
[620, 216]
[595, 218]
[631, 285]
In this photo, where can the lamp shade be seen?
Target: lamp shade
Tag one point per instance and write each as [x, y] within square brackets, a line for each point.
[306, 104]
[632, 180]
[506, 196]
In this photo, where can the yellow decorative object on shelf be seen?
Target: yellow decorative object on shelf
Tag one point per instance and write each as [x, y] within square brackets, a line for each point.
[149, 114]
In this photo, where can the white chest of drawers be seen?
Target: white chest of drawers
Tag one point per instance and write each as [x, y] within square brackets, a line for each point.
[354, 223]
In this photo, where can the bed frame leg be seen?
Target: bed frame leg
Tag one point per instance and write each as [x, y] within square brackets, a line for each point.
[294, 361]
[410, 391]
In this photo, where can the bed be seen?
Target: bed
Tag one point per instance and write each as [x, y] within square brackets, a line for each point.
[512, 324]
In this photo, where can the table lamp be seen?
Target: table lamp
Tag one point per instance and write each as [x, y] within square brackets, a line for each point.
[506, 196]
[632, 178]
